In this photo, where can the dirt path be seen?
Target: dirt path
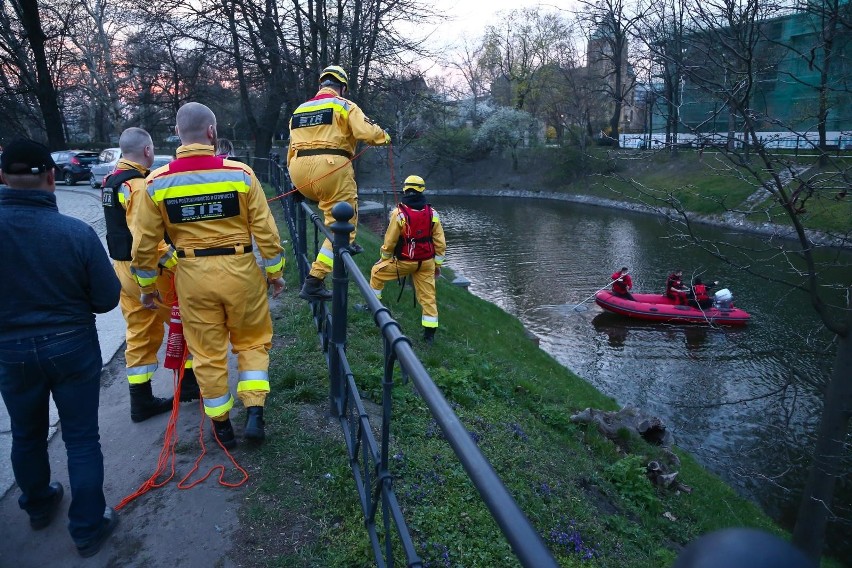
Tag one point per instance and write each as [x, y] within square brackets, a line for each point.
[166, 527]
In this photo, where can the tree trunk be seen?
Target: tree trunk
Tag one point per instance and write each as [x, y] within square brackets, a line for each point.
[828, 34]
[613, 125]
[45, 90]
[615, 120]
[826, 465]
[732, 124]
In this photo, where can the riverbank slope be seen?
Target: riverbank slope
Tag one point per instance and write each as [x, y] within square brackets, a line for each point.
[587, 498]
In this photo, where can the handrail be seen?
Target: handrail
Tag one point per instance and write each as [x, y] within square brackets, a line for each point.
[345, 401]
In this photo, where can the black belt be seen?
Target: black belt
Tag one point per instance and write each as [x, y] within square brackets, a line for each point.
[323, 151]
[214, 251]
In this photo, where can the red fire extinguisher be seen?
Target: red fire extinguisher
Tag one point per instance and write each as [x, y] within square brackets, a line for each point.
[176, 344]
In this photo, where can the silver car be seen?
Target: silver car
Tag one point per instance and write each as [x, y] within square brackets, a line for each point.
[108, 160]
[105, 166]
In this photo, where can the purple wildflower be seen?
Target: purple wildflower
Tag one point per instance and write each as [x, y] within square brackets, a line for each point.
[517, 431]
[567, 537]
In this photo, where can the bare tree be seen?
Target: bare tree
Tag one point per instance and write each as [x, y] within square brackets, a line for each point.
[610, 24]
[467, 63]
[24, 40]
[274, 50]
[518, 52]
[663, 32]
[94, 25]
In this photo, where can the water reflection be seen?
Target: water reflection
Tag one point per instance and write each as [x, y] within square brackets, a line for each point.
[743, 401]
[617, 329]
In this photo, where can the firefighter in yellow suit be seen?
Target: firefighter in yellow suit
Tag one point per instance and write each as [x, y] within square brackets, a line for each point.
[414, 245]
[212, 208]
[145, 328]
[324, 132]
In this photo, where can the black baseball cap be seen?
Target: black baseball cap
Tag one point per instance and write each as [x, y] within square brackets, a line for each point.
[24, 156]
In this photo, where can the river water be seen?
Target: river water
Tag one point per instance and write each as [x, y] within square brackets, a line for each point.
[742, 401]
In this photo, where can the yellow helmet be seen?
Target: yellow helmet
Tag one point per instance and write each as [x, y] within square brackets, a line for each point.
[414, 182]
[335, 72]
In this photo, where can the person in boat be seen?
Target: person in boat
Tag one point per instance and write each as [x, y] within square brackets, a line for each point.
[675, 290]
[622, 284]
[699, 295]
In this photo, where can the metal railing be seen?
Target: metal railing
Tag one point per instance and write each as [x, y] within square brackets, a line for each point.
[368, 458]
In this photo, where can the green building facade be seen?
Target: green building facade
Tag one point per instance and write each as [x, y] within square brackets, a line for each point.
[786, 78]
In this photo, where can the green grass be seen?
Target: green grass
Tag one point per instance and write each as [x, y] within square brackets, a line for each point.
[696, 183]
[708, 184]
[828, 208]
[574, 485]
[704, 183]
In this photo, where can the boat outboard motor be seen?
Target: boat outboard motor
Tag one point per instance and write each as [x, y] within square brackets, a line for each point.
[723, 299]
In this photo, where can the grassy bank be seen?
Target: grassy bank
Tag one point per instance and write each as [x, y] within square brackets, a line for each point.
[591, 502]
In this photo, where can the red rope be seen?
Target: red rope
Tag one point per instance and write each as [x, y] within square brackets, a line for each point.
[166, 459]
[343, 165]
[182, 483]
[392, 174]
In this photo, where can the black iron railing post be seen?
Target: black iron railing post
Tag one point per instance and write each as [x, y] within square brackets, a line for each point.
[302, 240]
[341, 229]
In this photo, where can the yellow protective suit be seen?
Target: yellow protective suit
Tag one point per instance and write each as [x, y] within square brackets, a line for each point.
[145, 328]
[211, 208]
[328, 127]
[422, 272]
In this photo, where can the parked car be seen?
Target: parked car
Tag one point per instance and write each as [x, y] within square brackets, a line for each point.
[106, 164]
[110, 158]
[74, 165]
[173, 139]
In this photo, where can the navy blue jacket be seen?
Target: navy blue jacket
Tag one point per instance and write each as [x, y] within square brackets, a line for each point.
[55, 271]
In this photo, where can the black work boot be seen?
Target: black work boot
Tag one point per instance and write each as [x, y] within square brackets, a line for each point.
[189, 386]
[224, 432]
[144, 405]
[93, 545]
[429, 335]
[42, 519]
[314, 289]
[355, 248]
[254, 429]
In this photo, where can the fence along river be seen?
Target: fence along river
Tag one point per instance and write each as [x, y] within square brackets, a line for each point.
[538, 259]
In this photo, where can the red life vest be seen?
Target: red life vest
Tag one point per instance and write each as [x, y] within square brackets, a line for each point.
[621, 286]
[673, 281]
[415, 241]
[700, 291]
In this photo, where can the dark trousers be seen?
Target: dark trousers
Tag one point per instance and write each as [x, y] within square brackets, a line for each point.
[67, 365]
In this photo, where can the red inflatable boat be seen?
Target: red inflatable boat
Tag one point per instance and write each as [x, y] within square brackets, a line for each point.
[656, 307]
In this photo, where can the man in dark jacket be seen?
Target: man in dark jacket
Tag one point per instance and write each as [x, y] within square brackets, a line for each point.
[49, 344]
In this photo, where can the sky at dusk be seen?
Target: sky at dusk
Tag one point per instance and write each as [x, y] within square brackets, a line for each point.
[468, 18]
[466, 22]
